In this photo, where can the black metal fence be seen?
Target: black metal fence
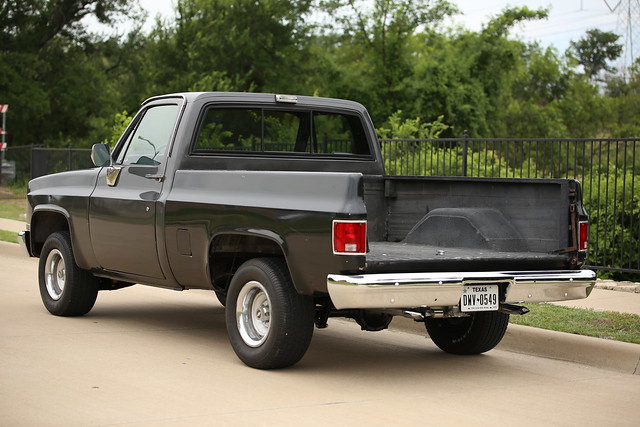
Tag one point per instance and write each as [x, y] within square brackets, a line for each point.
[31, 161]
[608, 169]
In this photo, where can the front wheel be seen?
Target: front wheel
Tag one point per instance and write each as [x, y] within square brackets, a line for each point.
[65, 289]
[269, 324]
[475, 334]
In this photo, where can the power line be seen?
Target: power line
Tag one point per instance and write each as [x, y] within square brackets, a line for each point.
[628, 12]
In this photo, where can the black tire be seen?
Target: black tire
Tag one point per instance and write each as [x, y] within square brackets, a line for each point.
[269, 324]
[479, 332]
[65, 289]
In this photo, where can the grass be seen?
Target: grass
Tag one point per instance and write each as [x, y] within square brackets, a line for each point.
[600, 324]
[12, 210]
[12, 206]
[8, 236]
[12, 203]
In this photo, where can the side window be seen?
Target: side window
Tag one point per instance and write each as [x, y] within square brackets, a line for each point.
[147, 144]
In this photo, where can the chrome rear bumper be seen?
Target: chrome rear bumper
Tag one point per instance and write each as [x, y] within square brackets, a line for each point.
[409, 290]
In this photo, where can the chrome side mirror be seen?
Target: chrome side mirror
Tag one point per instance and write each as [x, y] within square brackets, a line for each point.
[100, 155]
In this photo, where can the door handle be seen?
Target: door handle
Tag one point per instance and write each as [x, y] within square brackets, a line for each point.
[157, 177]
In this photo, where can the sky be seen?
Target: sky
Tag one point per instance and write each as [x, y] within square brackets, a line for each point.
[568, 19]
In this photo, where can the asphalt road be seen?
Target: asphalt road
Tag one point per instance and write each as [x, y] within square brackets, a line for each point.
[148, 356]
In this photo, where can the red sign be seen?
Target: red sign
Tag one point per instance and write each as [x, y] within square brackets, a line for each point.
[3, 146]
[4, 108]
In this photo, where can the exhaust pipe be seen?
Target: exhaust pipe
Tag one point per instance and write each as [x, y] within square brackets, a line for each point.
[513, 309]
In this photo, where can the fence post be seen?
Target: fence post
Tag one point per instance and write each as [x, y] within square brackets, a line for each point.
[39, 161]
[465, 147]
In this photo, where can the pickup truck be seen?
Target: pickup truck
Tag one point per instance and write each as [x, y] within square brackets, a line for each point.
[280, 205]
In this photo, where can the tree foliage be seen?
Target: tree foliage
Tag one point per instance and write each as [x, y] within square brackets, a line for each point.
[228, 44]
[30, 25]
[371, 51]
[51, 74]
[66, 84]
[595, 50]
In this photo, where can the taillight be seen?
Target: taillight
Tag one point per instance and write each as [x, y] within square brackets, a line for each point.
[583, 235]
[349, 237]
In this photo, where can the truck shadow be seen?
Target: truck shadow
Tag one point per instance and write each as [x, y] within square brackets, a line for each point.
[340, 351]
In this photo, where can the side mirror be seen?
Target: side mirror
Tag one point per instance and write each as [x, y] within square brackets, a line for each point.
[100, 155]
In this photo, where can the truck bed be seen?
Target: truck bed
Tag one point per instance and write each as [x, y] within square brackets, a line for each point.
[455, 224]
[389, 257]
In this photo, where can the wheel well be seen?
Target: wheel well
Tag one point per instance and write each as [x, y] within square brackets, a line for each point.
[229, 251]
[43, 224]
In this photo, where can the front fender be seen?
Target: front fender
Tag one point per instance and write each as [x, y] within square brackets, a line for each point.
[45, 220]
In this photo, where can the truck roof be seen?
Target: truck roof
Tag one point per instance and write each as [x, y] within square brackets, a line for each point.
[266, 98]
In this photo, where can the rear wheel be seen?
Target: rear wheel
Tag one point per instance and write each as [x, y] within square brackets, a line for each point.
[269, 324]
[65, 289]
[479, 332]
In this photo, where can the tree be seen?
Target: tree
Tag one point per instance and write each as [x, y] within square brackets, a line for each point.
[623, 95]
[32, 24]
[229, 44]
[49, 71]
[595, 50]
[542, 80]
[65, 84]
[370, 48]
[469, 76]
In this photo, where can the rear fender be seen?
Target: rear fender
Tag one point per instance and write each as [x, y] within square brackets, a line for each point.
[228, 250]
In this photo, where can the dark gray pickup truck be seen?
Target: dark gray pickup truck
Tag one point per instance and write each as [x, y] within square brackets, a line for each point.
[281, 206]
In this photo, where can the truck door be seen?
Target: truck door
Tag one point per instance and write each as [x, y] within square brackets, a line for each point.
[122, 214]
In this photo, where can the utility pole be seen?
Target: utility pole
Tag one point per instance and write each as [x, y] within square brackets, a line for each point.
[4, 108]
[628, 19]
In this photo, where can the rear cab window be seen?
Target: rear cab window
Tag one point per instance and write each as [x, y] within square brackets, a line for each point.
[299, 132]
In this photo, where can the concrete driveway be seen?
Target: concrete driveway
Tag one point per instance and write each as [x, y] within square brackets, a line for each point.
[148, 356]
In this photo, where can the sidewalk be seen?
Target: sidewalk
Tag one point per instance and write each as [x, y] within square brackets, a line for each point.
[11, 225]
[603, 299]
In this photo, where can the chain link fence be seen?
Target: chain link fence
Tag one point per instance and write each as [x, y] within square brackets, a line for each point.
[31, 161]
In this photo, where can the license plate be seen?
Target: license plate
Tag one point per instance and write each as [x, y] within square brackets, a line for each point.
[479, 298]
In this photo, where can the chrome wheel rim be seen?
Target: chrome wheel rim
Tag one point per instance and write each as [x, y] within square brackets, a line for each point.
[54, 274]
[253, 314]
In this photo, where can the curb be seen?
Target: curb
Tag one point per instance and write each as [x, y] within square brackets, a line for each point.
[611, 285]
[600, 353]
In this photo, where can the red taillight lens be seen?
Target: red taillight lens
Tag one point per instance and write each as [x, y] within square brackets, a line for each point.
[583, 235]
[349, 237]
